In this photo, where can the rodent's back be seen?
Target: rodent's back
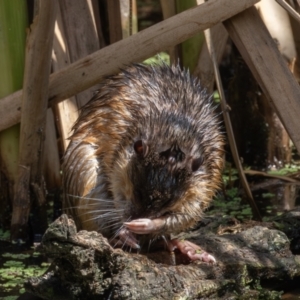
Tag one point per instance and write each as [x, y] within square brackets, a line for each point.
[147, 145]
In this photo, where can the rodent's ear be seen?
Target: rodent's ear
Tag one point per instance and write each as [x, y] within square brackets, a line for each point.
[197, 163]
[140, 148]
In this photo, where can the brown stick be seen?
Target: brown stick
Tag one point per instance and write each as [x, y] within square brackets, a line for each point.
[88, 71]
[77, 29]
[34, 107]
[98, 23]
[21, 205]
[66, 112]
[51, 163]
[168, 8]
[227, 121]
[114, 19]
[289, 9]
[80, 35]
[268, 67]
[204, 69]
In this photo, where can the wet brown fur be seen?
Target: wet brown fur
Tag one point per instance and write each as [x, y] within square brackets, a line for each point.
[162, 106]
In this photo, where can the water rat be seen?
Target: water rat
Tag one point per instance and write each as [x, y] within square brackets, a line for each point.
[145, 157]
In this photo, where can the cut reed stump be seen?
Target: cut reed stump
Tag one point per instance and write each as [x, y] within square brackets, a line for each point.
[29, 187]
[85, 266]
[75, 28]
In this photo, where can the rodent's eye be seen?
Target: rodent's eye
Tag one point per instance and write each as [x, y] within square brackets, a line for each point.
[197, 163]
[140, 148]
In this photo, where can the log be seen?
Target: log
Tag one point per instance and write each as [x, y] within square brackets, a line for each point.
[33, 122]
[93, 68]
[267, 65]
[85, 266]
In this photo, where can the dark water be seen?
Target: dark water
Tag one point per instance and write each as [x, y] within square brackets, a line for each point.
[16, 265]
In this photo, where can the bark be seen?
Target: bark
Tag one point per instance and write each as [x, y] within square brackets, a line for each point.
[85, 266]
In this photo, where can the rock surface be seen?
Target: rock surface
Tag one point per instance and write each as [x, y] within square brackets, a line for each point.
[85, 266]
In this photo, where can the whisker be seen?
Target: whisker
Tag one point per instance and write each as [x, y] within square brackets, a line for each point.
[149, 244]
[114, 246]
[109, 226]
[94, 215]
[108, 214]
[118, 230]
[116, 233]
[89, 205]
[115, 236]
[114, 221]
[90, 198]
[96, 200]
[165, 240]
[124, 243]
[99, 211]
[142, 243]
[116, 218]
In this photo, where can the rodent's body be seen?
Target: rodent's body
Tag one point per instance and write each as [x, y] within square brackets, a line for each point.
[148, 145]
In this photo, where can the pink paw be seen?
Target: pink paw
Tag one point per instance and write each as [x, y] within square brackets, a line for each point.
[193, 251]
[144, 226]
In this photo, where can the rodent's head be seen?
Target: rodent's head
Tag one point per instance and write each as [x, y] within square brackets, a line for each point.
[167, 162]
[160, 177]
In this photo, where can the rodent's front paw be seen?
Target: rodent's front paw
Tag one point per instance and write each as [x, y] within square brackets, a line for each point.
[144, 226]
[193, 251]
